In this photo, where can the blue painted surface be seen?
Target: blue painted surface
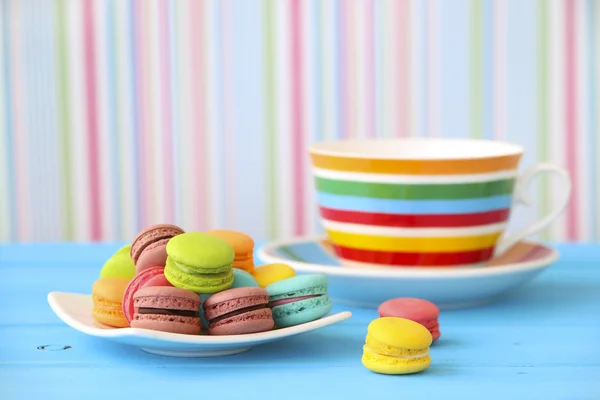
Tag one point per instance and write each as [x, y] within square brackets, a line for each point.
[540, 343]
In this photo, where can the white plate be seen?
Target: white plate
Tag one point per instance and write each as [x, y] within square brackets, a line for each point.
[446, 287]
[76, 311]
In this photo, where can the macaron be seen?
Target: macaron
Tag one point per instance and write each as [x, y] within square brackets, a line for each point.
[107, 294]
[238, 311]
[199, 262]
[242, 278]
[119, 265]
[149, 277]
[242, 244]
[148, 249]
[268, 274]
[418, 310]
[167, 309]
[396, 346]
[298, 300]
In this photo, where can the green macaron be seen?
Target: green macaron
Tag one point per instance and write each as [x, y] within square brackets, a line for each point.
[119, 265]
[199, 262]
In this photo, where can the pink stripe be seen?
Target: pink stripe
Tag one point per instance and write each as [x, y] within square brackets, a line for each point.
[370, 69]
[142, 151]
[199, 115]
[571, 115]
[402, 63]
[167, 112]
[93, 145]
[21, 170]
[297, 113]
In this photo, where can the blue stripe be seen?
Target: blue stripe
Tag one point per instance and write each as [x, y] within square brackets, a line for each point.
[115, 162]
[379, 71]
[418, 207]
[424, 70]
[175, 107]
[8, 128]
[135, 107]
[592, 148]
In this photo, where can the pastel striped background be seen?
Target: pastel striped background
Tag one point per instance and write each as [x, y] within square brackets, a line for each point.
[115, 114]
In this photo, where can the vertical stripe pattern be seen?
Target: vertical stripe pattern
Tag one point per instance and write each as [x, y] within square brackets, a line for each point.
[144, 112]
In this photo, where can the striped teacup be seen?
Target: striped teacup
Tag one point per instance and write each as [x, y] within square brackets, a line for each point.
[422, 202]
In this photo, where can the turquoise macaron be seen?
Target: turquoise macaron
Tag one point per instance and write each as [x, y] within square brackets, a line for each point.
[299, 299]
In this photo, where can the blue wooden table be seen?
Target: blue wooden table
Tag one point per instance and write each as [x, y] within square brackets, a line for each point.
[543, 342]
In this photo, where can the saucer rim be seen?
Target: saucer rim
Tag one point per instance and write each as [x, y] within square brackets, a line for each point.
[263, 253]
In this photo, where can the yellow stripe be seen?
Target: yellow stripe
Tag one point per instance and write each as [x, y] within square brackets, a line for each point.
[413, 244]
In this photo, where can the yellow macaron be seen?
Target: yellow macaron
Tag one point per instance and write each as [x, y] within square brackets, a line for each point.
[271, 273]
[107, 296]
[396, 346]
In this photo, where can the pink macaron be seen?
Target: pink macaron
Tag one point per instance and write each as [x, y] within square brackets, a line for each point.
[148, 249]
[238, 311]
[422, 311]
[149, 277]
[167, 309]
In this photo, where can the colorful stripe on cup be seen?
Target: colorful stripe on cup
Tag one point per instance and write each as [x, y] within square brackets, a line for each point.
[414, 213]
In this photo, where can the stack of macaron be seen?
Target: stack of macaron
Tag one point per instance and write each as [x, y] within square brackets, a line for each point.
[202, 282]
[398, 342]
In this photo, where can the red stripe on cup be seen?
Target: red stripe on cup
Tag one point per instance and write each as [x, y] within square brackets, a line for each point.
[414, 259]
[416, 221]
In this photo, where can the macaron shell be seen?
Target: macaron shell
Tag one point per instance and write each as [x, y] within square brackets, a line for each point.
[150, 235]
[421, 311]
[112, 318]
[155, 255]
[399, 332]
[134, 285]
[167, 323]
[268, 274]
[301, 312]
[199, 283]
[200, 251]
[107, 294]
[241, 243]
[250, 322]
[157, 280]
[234, 299]
[243, 278]
[297, 286]
[119, 265]
[394, 366]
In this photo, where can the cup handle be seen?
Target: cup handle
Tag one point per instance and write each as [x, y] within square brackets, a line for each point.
[522, 196]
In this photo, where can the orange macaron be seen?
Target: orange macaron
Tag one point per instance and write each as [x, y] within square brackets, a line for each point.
[242, 244]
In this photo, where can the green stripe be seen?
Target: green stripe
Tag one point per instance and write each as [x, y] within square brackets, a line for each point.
[451, 191]
[543, 106]
[270, 109]
[64, 129]
[476, 61]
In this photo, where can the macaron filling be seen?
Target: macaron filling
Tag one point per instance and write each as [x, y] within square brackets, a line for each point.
[167, 311]
[291, 300]
[241, 311]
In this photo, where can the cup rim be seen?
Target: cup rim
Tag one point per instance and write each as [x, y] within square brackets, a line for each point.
[331, 148]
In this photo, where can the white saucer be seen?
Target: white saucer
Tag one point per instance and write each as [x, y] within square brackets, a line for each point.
[76, 311]
[446, 287]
